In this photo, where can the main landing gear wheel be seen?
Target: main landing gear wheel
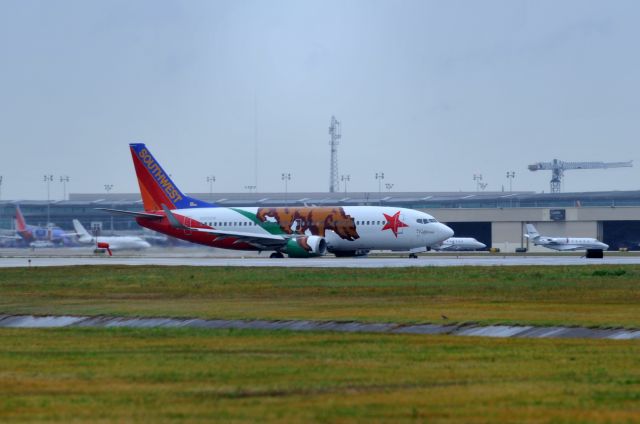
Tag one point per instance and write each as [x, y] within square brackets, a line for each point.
[413, 256]
[276, 255]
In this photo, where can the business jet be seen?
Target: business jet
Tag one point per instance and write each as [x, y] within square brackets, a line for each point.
[456, 244]
[299, 232]
[114, 242]
[593, 247]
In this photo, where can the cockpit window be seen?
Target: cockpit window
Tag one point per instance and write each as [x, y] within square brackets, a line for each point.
[433, 220]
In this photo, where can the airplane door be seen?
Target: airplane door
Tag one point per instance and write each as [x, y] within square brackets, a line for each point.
[187, 223]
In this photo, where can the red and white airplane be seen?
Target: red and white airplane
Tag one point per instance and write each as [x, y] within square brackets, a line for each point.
[299, 232]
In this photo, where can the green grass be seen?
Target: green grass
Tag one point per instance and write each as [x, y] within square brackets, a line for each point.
[589, 296]
[188, 375]
[191, 375]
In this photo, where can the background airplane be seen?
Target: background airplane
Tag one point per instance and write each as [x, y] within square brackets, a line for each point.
[114, 242]
[296, 231]
[563, 243]
[459, 244]
[36, 236]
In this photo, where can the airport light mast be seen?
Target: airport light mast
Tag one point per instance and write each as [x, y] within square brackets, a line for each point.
[286, 177]
[108, 188]
[557, 168]
[64, 179]
[335, 131]
[48, 179]
[344, 178]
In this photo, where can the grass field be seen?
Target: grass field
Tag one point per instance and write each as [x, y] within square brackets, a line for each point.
[186, 375]
[190, 375]
[589, 296]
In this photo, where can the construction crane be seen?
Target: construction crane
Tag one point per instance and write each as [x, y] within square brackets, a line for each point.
[557, 168]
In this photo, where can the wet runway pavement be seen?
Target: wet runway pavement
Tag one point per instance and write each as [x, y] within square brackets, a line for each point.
[324, 262]
[30, 321]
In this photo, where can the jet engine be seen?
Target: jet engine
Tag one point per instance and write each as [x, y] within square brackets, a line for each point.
[104, 246]
[305, 247]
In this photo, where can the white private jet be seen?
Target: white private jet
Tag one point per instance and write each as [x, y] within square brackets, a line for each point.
[298, 231]
[459, 244]
[591, 245]
[114, 242]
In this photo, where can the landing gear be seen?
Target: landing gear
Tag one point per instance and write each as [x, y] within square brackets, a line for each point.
[276, 255]
[413, 256]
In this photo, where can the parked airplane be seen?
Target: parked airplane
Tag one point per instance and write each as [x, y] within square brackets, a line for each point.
[459, 244]
[114, 242]
[296, 231]
[36, 236]
[591, 245]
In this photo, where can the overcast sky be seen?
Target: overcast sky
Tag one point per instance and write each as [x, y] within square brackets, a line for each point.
[429, 92]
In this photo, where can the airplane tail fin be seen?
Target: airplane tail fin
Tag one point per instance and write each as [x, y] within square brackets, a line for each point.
[532, 233]
[83, 234]
[21, 224]
[156, 187]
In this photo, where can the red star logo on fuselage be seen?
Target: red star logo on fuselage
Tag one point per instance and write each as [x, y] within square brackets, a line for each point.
[393, 223]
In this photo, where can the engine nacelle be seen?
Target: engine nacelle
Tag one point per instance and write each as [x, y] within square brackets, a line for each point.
[105, 246]
[306, 247]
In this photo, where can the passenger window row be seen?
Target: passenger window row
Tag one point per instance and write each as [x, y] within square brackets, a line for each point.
[230, 224]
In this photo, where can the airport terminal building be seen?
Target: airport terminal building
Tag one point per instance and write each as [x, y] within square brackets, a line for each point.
[494, 218]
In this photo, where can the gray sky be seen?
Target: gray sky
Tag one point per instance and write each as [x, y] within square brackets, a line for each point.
[428, 92]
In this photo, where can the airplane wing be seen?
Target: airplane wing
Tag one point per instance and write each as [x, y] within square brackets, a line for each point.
[260, 241]
[131, 213]
[11, 237]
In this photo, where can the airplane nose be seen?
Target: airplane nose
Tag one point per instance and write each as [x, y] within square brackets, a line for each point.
[446, 231]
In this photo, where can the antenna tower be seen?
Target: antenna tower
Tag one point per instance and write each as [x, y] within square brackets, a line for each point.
[335, 131]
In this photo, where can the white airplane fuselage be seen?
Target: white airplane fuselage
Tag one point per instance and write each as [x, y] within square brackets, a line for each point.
[460, 244]
[344, 228]
[120, 242]
[570, 243]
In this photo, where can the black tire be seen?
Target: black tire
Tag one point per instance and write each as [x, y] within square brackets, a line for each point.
[276, 255]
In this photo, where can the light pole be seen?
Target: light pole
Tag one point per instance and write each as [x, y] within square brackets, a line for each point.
[250, 188]
[64, 180]
[478, 179]
[510, 176]
[344, 179]
[389, 186]
[0, 187]
[48, 179]
[211, 179]
[107, 188]
[286, 177]
[380, 177]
